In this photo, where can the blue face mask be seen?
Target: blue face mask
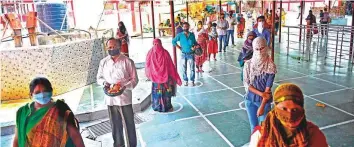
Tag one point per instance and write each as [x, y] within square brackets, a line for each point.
[42, 98]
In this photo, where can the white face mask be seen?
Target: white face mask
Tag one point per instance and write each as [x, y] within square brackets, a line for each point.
[260, 27]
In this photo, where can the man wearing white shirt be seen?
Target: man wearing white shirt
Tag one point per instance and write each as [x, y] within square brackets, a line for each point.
[119, 69]
[222, 26]
[231, 30]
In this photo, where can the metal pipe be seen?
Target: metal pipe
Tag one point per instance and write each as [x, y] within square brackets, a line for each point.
[302, 5]
[141, 23]
[280, 21]
[187, 11]
[262, 3]
[287, 52]
[335, 56]
[220, 7]
[341, 47]
[153, 19]
[173, 32]
[50, 28]
[273, 28]
[352, 33]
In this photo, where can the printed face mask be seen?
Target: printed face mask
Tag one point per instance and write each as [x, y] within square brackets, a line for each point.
[291, 118]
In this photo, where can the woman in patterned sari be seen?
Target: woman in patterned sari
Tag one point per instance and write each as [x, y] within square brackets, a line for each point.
[44, 122]
[161, 71]
[122, 34]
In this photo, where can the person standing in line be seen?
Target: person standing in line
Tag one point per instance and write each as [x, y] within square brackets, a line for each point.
[277, 23]
[310, 22]
[325, 20]
[213, 41]
[240, 26]
[202, 38]
[261, 29]
[258, 77]
[164, 76]
[222, 31]
[231, 29]
[246, 51]
[187, 42]
[286, 124]
[118, 70]
[122, 34]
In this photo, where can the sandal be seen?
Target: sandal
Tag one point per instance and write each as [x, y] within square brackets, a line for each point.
[193, 84]
[186, 84]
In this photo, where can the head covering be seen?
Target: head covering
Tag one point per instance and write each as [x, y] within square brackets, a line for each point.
[247, 49]
[159, 66]
[273, 132]
[260, 62]
[288, 91]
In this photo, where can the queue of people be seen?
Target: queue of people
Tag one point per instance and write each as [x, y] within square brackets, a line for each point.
[283, 125]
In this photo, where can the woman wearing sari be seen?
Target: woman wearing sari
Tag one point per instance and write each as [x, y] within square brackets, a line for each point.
[202, 38]
[163, 74]
[286, 124]
[44, 122]
[241, 24]
[122, 34]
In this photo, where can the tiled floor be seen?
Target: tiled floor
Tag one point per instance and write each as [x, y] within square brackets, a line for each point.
[212, 113]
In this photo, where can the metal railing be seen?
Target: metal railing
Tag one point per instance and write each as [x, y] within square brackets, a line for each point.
[331, 42]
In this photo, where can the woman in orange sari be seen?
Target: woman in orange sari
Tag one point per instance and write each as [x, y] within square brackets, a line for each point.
[286, 124]
[122, 34]
[44, 122]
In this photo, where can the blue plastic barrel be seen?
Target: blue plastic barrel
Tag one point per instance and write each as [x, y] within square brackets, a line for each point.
[53, 15]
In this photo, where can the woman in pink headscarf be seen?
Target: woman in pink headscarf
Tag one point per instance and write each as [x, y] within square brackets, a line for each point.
[163, 74]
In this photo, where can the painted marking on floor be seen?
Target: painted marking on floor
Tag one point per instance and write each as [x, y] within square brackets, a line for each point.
[337, 124]
[179, 109]
[208, 121]
[329, 92]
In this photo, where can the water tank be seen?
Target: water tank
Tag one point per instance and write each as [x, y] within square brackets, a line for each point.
[53, 15]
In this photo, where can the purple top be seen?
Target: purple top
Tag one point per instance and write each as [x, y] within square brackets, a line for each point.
[260, 83]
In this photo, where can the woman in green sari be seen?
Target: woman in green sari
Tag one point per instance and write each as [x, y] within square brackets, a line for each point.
[44, 122]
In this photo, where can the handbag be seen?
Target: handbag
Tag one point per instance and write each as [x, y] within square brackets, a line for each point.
[315, 31]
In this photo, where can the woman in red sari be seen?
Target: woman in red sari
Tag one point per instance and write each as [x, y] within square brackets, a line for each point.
[202, 38]
[122, 34]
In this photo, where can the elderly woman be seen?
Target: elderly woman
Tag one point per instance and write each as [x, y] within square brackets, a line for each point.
[45, 122]
[259, 73]
[162, 72]
[286, 124]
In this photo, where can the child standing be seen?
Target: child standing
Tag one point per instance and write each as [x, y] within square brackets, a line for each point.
[259, 73]
[213, 41]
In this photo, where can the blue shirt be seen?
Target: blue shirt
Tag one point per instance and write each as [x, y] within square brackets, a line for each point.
[186, 42]
[265, 34]
[260, 83]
